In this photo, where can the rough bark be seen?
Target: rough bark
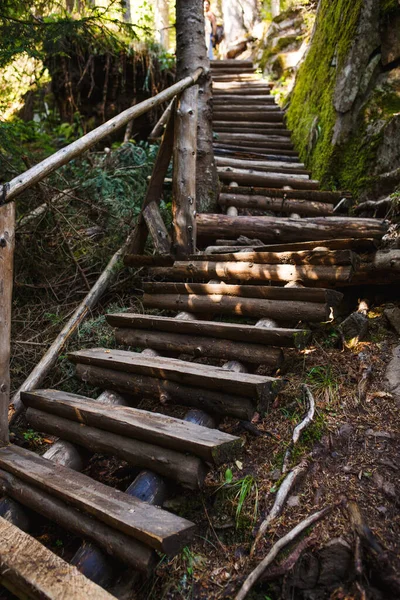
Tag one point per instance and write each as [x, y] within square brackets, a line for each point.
[191, 52]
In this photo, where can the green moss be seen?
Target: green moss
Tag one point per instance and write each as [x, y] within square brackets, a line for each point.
[284, 42]
[311, 114]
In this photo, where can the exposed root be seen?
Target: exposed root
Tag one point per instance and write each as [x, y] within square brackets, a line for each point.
[300, 427]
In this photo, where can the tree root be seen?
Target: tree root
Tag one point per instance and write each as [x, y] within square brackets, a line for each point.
[300, 427]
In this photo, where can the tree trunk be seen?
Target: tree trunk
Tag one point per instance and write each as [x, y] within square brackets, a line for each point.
[190, 54]
[161, 22]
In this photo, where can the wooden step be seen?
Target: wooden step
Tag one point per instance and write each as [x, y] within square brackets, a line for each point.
[305, 208]
[285, 338]
[240, 89]
[221, 127]
[269, 152]
[320, 295]
[357, 245]
[228, 62]
[259, 389]
[249, 115]
[152, 526]
[302, 257]
[196, 346]
[167, 432]
[227, 150]
[263, 165]
[237, 98]
[30, 570]
[313, 195]
[250, 272]
[286, 230]
[270, 180]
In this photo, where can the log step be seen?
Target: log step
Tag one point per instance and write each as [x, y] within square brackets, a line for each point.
[150, 374]
[275, 229]
[270, 180]
[248, 271]
[302, 257]
[30, 570]
[261, 165]
[267, 151]
[361, 245]
[261, 117]
[284, 338]
[211, 445]
[153, 526]
[319, 295]
[313, 195]
[277, 205]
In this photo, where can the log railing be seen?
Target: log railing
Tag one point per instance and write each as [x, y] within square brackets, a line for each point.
[181, 125]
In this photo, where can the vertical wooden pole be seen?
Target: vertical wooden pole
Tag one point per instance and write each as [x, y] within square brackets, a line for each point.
[184, 177]
[7, 242]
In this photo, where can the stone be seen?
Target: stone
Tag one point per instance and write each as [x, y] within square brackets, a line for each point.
[392, 375]
[384, 486]
[365, 42]
[293, 501]
[354, 329]
[391, 40]
[346, 430]
[393, 316]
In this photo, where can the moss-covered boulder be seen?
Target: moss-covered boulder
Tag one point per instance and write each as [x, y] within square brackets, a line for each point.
[345, 104]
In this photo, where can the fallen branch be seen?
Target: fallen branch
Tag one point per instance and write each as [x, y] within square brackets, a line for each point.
[300, 427]
[276, 548]
[280, 500]
[289, 562]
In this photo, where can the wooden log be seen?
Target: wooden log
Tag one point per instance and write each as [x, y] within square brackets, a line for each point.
[289, 338]
[144, 260]
[226, 99]
[269, 152]
[114, 542]
[263, 165]
[243, 106]
[289, 311]
[157, 229]
[253, 128]
[179, 371]
[139, 386]
[30, 570]
[155, 188]
[32, 176]
[237, 63]
[184, 178]
[275, 116]
[167, 432]
[7, 243]
[252, 272]
[157, 528]
[277, 205]
[159, 127]
[188, 471]
[269, 180]
[382, 267]
[200, 346]
[357, 245]
[50, 357]
[321, 295]
[274, 229]
[313, 195]
[301, 257]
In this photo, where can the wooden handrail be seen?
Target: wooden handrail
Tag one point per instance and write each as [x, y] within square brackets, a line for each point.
[13, 188]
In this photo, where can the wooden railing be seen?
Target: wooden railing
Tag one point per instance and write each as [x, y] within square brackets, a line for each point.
[179, 140]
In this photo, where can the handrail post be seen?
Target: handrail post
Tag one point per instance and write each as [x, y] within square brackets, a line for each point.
[184, 174]
[7, 242]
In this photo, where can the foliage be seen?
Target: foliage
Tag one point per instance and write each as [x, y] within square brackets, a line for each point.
[243, 496]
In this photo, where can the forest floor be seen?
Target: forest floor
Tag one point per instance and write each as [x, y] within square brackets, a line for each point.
[352, 450]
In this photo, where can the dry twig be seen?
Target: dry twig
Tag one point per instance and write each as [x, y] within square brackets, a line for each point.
[276, 548]
[280, 500]
[300, 427]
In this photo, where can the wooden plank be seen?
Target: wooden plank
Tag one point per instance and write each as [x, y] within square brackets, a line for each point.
[253, 272]
[315, 195]
[263, 117]
[300, 257]
[274, 229]
[268, 179]
[277, 205]
[30, 570]
[184, 176]
[275, 166]
[184, 372]
[288, 338]
[362, 245]
[200, 346]
[210, 444]
[7, 244]
[153, 526]
[185, 469]
[321, 295]
[139, 386]
[268, 151]
[155, 188]
[157, 229]
[286, 312]
[119, 545]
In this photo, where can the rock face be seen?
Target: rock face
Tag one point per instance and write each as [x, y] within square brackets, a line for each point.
[344, 108]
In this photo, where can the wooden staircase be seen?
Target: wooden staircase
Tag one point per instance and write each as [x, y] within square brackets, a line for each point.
[275, 271]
